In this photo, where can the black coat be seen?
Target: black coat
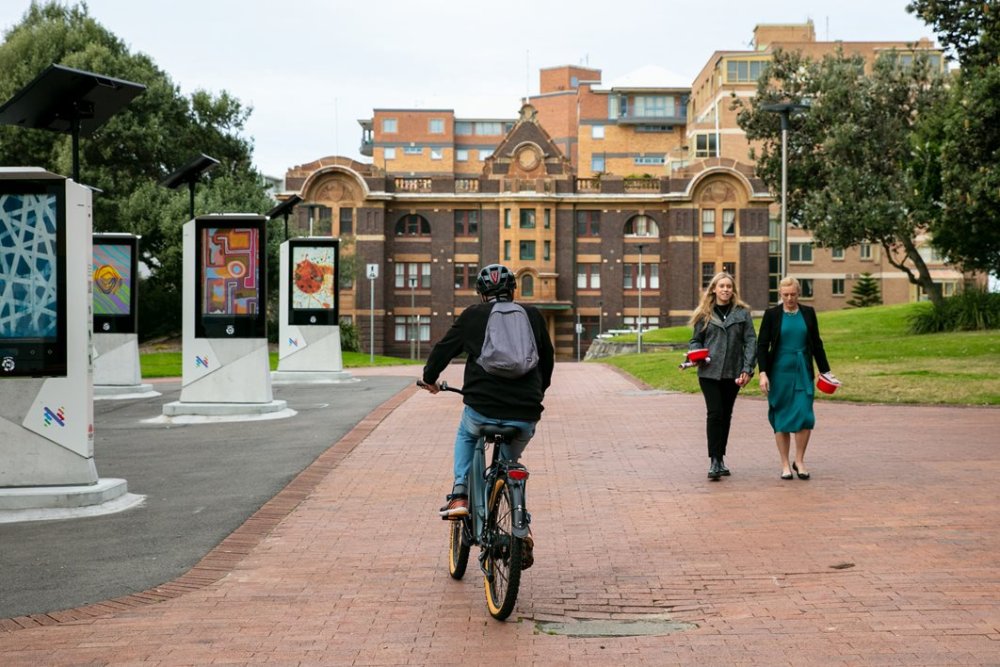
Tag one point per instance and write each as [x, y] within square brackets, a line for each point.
[769, 338]
[490, 395]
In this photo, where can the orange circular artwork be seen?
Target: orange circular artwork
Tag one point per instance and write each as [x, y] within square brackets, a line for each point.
[308, 277]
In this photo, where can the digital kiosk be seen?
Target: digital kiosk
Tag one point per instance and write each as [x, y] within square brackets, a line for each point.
[226, 370]
[117, 373]
[46, 400]
[309, 348]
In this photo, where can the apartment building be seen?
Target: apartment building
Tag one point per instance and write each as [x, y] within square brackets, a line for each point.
[613, 203]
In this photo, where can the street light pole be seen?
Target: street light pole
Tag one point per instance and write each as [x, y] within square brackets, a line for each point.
[784, 110]
[413, 314]
[639, 320]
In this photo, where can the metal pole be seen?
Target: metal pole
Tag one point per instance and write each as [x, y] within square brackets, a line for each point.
[639, 320]
[413, 314]
[371, 321]
[579, 334]
[76, 149]
[784, 194]
[600, 317]
[191, 197]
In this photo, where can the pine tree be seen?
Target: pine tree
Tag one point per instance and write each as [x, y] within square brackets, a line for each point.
[865, 292]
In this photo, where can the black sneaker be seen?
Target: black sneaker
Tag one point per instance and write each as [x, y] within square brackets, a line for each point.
[714, 473]
[723, 470]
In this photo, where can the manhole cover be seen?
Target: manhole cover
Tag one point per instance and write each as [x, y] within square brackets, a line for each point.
[613, 628]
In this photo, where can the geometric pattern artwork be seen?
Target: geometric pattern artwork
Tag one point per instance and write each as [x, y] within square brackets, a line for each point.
[28, 269]
[312, 277]
[232, 280]
[112, 279]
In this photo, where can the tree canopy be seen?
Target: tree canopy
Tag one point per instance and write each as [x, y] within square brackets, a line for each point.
[862, 160]
[156, 133]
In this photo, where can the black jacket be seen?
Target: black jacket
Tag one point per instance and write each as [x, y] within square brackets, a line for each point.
[769, 338]
[490, 395]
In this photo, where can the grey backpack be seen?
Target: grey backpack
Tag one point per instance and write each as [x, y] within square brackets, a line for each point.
[509, 349]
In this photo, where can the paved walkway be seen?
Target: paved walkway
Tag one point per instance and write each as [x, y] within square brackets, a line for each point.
[890, 555]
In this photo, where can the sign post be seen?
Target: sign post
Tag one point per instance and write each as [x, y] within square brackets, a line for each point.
[372, 275]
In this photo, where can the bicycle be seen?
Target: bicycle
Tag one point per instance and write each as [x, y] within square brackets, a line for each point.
[497, 522]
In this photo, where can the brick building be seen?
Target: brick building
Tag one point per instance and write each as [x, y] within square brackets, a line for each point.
[586, 184]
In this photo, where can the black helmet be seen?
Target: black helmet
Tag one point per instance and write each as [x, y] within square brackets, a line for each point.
[495, 280]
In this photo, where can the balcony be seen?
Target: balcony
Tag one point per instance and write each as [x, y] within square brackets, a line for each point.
[588, 185]
[638, 185]
[410, 184]
[466, 185]
[366, 147]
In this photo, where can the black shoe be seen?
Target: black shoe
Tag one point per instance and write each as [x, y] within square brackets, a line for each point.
[802, 475]
[714, 473]
[787, 475]
[723, 470]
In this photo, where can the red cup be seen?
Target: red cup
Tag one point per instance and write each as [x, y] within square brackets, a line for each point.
[827, 384]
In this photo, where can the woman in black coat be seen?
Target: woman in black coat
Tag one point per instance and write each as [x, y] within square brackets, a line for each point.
[787, 347]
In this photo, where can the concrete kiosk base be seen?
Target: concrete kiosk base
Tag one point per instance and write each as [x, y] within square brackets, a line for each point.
[311, 377]
[180, 408]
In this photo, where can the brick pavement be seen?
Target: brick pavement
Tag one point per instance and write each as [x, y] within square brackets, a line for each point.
[888, 556]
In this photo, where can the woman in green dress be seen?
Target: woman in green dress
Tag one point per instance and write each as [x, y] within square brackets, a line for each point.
[787, 346]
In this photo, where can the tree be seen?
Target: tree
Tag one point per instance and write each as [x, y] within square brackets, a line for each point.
[157, 132]
[968, 227]
[862, 163]
[865, 292]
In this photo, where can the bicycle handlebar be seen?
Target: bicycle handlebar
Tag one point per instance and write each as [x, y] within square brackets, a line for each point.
[443, 386]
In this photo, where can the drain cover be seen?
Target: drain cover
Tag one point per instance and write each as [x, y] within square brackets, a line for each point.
[613, 628]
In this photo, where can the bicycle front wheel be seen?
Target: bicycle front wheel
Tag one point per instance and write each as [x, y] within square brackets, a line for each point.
[458, 548]
[503, 553]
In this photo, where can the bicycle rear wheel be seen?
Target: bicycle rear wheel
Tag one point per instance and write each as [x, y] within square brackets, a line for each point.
[503, 553]
[458, 548]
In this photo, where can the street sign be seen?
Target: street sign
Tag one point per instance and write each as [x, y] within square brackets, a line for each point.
[372, 271]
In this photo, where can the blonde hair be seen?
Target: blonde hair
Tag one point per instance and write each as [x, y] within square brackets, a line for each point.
[789, 281]
[703, 313]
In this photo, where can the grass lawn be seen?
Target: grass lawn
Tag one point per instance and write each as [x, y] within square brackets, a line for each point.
[871, 352]
[168, 364]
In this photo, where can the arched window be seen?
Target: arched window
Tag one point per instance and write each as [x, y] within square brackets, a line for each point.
[526, 285]
[642, 225]
[413, 225]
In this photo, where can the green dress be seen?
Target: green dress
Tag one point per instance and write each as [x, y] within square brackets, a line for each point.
[790, 397]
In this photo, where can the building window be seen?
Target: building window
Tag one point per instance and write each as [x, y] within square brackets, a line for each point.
[707, 273]
[506, 250]
[837, 288]
[653, 106]
[465, 276]
[413, 225]
[389, 126]
[463, 128]
[800, 252]
[485, 153]
[650, 276]
[728, 222]
[588, 276]
[649, 160]
[462, 155]
[527, 218]
[467, 222]
[412, 327]
[708, 221]
[506, 218]
[596, 131]
[346, 221]
[837, 254]
[413, 150]
[526, 285]
[437, 153]
[389, 153]
[547, 251]
[730, 268]
[647, 322]
[597, 164]
[705, 145]
[865, 251]
[744, 71]
[591, 325]
[436, 126]
[807, 287]
[642, 226]
[526, 250]
[548, 218]
[488, 129]
[405, 271]
[588, 223]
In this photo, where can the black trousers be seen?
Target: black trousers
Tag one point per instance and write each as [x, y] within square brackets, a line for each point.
[720, 396]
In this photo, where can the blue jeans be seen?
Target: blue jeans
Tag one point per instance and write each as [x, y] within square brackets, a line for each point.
[468, 434]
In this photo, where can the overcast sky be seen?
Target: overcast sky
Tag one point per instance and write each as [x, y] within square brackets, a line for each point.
[311, 68]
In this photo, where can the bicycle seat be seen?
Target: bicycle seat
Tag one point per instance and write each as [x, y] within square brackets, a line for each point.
[490, 431]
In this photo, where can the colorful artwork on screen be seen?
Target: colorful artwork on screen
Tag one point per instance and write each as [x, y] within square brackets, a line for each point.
[112, 279]
[231, 271]
[28, 266]
[313, 273]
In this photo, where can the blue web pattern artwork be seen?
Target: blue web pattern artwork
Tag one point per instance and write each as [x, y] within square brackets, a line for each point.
[28, 269]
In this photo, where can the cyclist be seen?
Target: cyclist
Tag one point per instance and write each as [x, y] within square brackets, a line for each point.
[488, 398]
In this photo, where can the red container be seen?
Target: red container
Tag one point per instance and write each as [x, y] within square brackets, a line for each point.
[697, 355]
[827, 383]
